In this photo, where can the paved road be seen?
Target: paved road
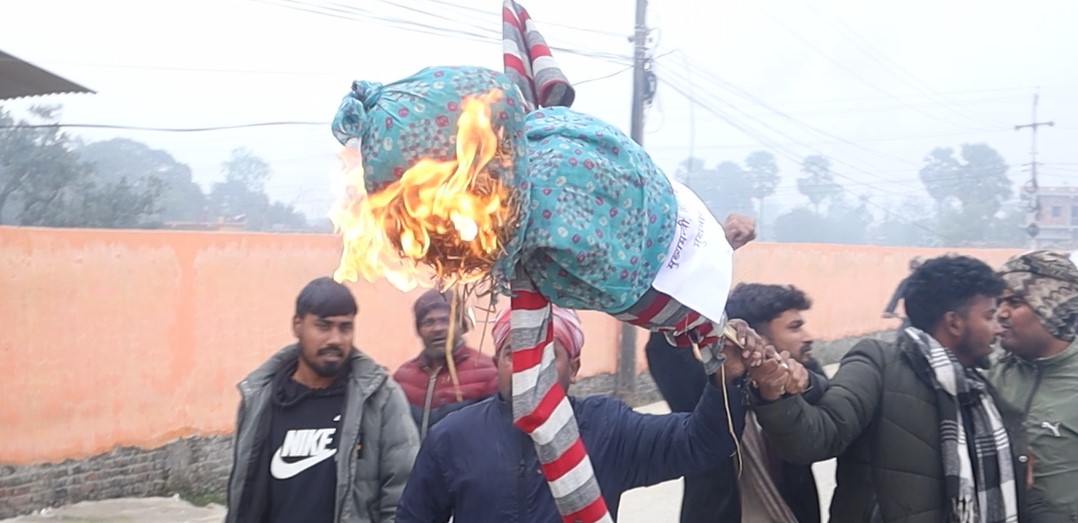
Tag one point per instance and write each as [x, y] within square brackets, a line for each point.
[128, 510]
[662, 502]
[656, 504]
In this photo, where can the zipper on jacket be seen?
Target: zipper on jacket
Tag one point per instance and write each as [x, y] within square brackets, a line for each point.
[431, 383]
[522, 507]
[1033, 390]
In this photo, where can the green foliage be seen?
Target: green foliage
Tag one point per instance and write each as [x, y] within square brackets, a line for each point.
[723, 189]
[971, 191]
[818, 184]
[182, 199]
[44, 182]
[49, 179]
[908, 223]
[843, 223]
[242, 197]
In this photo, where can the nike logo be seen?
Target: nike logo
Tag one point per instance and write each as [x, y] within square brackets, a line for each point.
[1054, 427]
[281, 469]
[311, 444]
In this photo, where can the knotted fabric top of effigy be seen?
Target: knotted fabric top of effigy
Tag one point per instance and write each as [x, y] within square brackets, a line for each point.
[452, 180]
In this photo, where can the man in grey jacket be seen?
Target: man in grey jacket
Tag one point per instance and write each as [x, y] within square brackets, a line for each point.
[323, 434]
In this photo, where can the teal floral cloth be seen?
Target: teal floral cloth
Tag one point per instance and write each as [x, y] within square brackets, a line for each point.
[598, 213]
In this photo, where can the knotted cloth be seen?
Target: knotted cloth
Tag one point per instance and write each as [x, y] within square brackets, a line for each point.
[598, 225]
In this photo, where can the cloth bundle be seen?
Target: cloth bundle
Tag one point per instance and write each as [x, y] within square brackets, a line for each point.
[600, 228]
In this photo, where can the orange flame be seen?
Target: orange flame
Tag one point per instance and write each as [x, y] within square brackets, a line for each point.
[442, 220]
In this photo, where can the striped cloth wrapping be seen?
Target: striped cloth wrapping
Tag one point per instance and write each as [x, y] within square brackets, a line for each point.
[542, 410]
[657, 311]
[540, 405]
[528, 61]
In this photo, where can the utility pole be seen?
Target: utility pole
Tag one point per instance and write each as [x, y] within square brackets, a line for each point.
[640, 58]
[625, 379]
[1031, 188]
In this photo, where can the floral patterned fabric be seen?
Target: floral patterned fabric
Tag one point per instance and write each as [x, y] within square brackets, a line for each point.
[598, 213]
[601, 213]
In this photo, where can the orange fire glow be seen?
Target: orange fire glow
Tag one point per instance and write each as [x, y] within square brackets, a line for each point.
[442, 221]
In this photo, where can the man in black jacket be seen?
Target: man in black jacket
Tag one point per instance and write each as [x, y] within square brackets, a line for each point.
[919, 434]
[775, 313]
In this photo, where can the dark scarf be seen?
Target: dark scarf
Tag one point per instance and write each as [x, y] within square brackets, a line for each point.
[983, 491]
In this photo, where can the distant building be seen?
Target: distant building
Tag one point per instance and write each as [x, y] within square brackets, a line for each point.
[1058, 220]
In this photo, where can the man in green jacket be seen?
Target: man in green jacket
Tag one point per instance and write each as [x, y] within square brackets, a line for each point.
[323, 435]
[917, 433]
[1039, 374]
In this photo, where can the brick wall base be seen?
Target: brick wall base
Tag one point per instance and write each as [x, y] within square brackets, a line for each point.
[195, 466]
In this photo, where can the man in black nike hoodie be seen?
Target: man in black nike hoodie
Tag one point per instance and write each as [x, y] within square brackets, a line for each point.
[323, 434]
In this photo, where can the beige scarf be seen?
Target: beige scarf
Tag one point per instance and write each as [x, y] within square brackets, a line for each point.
[760, 498]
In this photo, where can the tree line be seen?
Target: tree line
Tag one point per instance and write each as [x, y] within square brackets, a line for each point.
[50, 179]
[971, 201]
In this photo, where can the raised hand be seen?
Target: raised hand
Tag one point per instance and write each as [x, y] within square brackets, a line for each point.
[740, 229]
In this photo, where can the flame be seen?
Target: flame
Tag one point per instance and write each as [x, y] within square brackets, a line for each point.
[443, 221]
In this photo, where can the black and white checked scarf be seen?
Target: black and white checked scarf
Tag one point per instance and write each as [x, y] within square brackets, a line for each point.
[986, 493]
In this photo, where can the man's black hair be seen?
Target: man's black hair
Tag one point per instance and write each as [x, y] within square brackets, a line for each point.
[947, 283]
[758, 304]
[324, 298]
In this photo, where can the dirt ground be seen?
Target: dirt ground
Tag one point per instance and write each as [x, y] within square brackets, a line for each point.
[656, 504]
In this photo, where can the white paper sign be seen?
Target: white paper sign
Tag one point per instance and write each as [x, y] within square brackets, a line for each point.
[699, 267]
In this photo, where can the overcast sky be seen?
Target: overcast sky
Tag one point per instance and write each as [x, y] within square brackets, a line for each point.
[873, 85]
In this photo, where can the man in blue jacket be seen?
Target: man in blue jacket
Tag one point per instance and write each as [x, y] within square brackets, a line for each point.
[475, 465]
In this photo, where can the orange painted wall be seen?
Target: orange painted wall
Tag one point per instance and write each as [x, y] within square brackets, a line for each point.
[114, 338]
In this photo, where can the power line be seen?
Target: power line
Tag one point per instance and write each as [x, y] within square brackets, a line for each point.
[157, 129]
[182, 69]
[546, 23]
[747, 95]
[909, 137]
[880, 58]
[483, 35]
[605, 76]
[793, 156]
[914, 95]
[808, 43]
[874, 108]
[771, 142]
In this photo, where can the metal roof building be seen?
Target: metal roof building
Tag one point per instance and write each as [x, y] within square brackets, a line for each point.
[20, 79]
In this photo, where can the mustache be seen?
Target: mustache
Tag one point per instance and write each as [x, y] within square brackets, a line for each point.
[331, 350]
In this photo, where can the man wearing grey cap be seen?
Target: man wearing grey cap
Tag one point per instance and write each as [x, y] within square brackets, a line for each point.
[1039, 373]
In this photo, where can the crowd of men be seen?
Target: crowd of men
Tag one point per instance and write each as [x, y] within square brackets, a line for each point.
[933, 426]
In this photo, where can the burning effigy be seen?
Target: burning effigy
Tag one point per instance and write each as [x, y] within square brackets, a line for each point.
[451, 180]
